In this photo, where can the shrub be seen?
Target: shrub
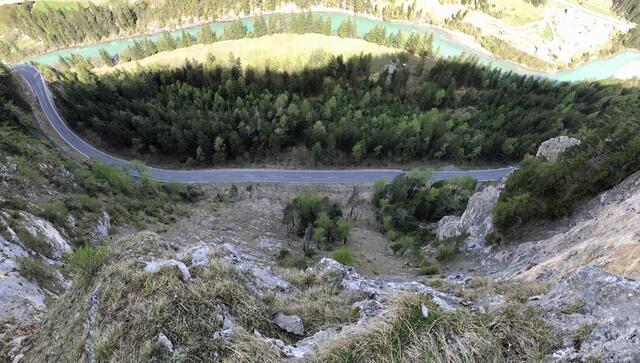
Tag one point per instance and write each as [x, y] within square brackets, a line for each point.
[87, 260]
[343, 255]
[35, 269]
[428, 270]
[88, 203]
[310, 252]
[55, 212]
[35, 243]
[446, 252]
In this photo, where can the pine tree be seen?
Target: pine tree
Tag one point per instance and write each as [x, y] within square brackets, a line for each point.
[166, 42]
[185, 39]
[206, 35]
[347, 29]
[106, 58]
[412, 43]
[260, 27]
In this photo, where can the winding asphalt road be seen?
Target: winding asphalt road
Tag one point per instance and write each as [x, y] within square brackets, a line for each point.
[354, 176]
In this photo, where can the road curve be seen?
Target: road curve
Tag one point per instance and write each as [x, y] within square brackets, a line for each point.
[39, 88]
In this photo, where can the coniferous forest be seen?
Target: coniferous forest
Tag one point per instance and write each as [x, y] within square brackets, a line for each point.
[207, 114]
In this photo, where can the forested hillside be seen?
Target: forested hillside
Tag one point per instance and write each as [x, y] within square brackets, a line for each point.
[207, 114]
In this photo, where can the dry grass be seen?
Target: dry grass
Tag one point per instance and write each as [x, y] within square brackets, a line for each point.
[135, 306]
[517, 12]
[514, 334]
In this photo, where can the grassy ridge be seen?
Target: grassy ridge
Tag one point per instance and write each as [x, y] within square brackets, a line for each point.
[282, 51]
[59, 5]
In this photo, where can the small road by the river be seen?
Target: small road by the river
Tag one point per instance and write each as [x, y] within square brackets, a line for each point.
[39, 88]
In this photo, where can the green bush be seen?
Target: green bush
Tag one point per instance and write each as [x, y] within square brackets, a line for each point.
[34, 243]
[343, 255]
[88, 203]
[55, 212]
[87, 260]
[428, 269]
[446, 252]
[36, 270]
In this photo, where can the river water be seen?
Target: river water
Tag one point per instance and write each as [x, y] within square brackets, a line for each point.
[445, 44]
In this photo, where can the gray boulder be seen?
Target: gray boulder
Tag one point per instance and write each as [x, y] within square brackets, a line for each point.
[200, 256]
[289, 323]
[381, 289]
[448, 227]
[165, 343]
[553, 148]
[262, 277]
[476, 221]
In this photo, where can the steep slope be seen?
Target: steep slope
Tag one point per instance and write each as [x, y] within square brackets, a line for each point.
[51, 208]
[603, 233]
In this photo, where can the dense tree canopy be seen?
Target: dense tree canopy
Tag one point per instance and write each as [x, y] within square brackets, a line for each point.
[457, 111]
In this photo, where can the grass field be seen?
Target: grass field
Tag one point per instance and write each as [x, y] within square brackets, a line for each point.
[59, 4]
[280, 51]
[517, 12]
[599, 6]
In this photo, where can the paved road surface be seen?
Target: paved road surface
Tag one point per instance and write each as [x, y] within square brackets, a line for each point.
[39, 88]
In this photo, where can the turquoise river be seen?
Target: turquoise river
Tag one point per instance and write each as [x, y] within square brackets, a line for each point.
[445, 44]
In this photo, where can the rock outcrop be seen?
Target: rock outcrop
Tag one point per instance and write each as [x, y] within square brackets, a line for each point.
[476, 221]
[553, 148]
[603, 233]
[289, 323]
[448, 227]
[598, 314]
[21, 296]
[154, 266]
[102, 228]
[262, 279]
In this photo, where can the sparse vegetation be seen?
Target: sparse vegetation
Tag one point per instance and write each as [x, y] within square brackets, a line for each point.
[87, 260]
[575, 307]
[513, 334]
[135, 306]
[343, 255]
[35, 269]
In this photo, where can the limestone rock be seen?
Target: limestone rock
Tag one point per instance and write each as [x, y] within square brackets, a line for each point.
[154, 266]
[262, 276]
[200, 256]
[228, 329]
[448, 227]
[601, 233]
[102, 228]
[425, 311]
[553, 148]
[21, 297]
[610, 307]
[477, 219]
[289, 323]
[380, 289]
[367, 308]
[164, 342]
[45, 231]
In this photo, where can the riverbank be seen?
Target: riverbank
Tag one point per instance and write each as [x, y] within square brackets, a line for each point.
[449, 43]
